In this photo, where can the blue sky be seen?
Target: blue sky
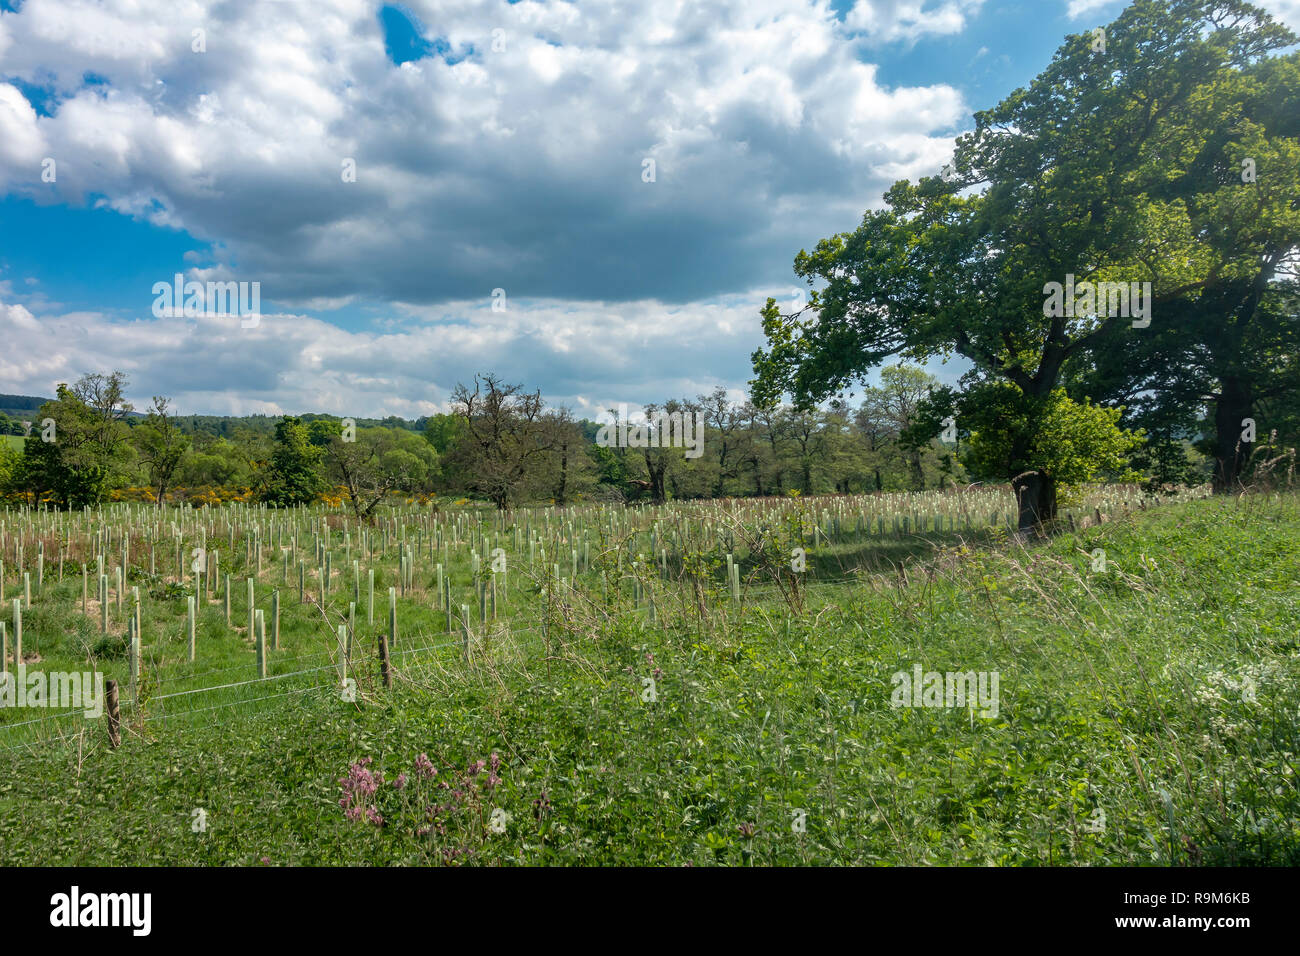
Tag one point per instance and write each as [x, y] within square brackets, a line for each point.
[497, 146]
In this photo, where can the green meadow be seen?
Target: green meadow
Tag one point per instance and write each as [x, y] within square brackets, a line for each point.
[653, 708]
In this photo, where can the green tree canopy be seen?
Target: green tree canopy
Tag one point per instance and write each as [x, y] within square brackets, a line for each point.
[1065, 181]
[294, 476]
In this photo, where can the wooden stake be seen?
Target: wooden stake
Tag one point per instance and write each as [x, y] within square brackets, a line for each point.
[383, 660]
[114, 714]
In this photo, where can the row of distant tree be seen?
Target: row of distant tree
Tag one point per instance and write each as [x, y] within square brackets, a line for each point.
[499, 442]
[502, 443]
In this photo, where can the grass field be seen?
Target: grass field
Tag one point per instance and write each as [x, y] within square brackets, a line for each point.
[632, 703]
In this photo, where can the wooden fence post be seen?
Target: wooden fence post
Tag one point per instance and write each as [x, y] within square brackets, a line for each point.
[383, 660]
[114, 714]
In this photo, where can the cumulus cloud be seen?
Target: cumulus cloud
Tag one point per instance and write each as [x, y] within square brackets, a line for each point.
[1079, 8]
[889, 20]
[594, 354]
[519, 168]
[21, 144]
[1286, 11]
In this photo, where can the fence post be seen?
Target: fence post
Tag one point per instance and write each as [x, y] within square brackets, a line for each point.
[383, 660]
[275, 619]
[114, 714]
[189, 622]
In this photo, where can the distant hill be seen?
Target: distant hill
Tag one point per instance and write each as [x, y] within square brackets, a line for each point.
[16, 406]
[23, 407]
[226, 426]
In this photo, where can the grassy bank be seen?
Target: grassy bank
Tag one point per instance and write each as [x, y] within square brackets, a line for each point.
[1147, 713]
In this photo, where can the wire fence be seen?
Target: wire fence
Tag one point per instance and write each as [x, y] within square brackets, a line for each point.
[652, 597]
[513, 628]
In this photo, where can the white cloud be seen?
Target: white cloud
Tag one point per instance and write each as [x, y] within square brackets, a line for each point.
[585, 354]
[21, 143]
[519, 169]
[890, 20]
[1286, 11]
[1079, 8]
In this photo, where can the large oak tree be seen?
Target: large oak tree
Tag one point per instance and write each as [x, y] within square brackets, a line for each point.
[1069, 177]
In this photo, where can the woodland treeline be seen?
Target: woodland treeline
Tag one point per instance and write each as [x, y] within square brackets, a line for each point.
[498, 442]
[504, 444]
